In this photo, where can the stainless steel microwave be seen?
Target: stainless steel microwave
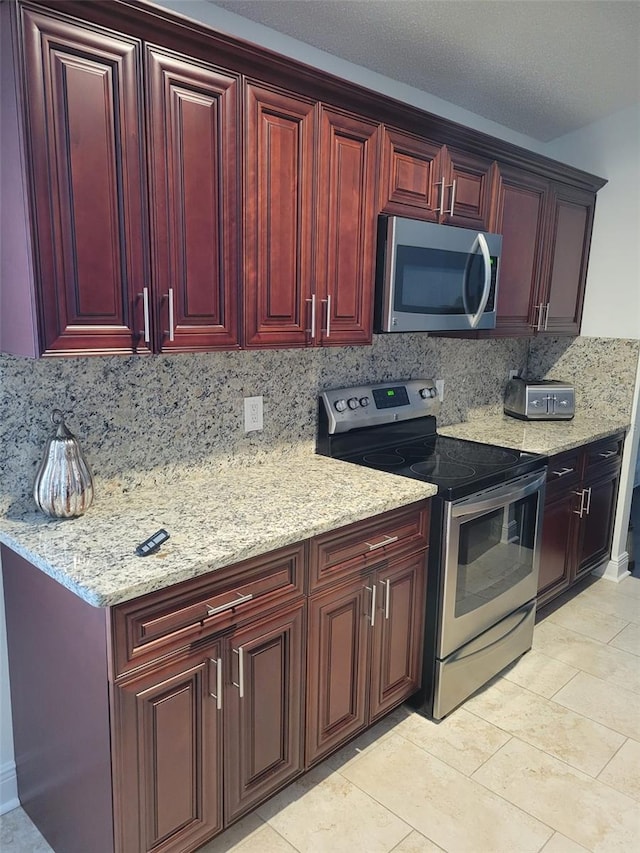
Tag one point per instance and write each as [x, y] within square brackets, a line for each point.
[435, 277]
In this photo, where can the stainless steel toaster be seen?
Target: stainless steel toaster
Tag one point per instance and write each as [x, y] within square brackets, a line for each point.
[543, 400]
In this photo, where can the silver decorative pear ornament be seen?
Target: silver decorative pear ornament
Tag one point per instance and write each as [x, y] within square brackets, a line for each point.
[64, 485]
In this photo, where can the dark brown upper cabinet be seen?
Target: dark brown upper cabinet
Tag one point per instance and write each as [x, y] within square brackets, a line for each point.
[309, 214]
[424, 180]
[101, 283]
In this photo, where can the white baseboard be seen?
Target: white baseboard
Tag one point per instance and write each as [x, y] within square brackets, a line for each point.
[614, 570]
[8, 788]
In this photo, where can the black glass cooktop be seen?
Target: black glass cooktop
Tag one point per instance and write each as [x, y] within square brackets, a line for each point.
[459, 468]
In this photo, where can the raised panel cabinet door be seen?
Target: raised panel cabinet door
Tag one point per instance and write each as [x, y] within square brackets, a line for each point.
[86, 148]
[571, 222]
[337, 665]
[596, 526]
[557, 545]
[193, 124]
[409, 184]
[396, 661]
[168, 756]
[468, 189]
[264, 707]
[278, 218]
[346, 201]
[520, 218]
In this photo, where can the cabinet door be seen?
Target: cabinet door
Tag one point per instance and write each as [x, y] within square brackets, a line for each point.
[337, 666]
[557, 545]
[167, 756]
[279, 226]
[398, 635]
[571, 221]
[194, 199]
[469, 184]
[596, 526]
[520, 218]
[346, 201]
[409, 183]
[264, 707]
[86, 146]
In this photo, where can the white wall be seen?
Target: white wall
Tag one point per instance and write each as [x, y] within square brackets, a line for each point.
[608, 148]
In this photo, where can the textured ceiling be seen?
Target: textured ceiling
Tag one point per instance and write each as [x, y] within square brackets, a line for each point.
[539, 67]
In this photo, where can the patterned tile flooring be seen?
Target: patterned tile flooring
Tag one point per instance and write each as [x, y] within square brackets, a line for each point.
[544, 758]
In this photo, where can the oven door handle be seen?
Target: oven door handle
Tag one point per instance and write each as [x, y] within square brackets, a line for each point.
[499, 496]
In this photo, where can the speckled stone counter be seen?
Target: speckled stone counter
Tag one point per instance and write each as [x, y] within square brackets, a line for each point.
[548, 437]
[214, 520]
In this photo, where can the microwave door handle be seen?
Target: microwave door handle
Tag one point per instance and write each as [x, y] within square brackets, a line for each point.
[484, 248]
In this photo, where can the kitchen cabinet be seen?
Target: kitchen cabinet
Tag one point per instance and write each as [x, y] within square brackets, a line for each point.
[365, 631]
[424, 180]
[579, 512]
[119, 269]
[309, 222]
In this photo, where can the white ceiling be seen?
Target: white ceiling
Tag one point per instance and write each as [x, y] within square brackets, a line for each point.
[539, 67]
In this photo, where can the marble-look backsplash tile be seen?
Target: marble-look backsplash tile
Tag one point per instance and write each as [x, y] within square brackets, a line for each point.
[137, 415]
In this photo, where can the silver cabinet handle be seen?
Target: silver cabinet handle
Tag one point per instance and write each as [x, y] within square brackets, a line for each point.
[386, 585]
[218, 694]
[171, 316]
[608, 454]
[546, 316]
[240, 682]
[372, 589]
[582, 494]
[386, 541]
[211, 611]
[453, 197]
[539, 327]
[440, 207]
[312, 330]
[328, 329]
[563, 472]
[587, 509]
[145, 308]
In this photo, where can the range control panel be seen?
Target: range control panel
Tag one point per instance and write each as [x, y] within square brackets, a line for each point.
[372, 405]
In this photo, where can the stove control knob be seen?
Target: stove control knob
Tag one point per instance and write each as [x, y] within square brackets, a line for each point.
[364, 401]
[353, 402]
[340, 405]
[427, 393]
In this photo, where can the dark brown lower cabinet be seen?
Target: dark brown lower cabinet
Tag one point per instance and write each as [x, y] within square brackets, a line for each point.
[364, 651]
[579, 512]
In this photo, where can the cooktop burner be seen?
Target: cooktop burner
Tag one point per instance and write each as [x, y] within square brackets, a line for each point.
[399, 436]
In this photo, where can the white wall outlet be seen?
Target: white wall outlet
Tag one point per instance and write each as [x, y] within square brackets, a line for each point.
[440, 389]
[253, 414]
[513, 373]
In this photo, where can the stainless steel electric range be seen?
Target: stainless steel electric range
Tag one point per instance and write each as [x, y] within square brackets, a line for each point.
[485, 529]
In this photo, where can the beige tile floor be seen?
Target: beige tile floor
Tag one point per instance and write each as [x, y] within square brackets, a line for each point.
[545, 758]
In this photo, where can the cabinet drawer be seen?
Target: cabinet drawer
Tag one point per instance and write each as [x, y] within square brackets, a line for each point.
[156, 624]
[344, 552]
[564, 471]
[603, 453]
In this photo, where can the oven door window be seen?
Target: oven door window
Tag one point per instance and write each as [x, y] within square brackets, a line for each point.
[495, 553]
[439, 281]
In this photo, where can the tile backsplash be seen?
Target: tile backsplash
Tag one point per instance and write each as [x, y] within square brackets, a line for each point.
[139, 416]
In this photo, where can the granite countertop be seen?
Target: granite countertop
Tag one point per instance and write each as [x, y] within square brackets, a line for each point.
[214, 520]
[547, 437]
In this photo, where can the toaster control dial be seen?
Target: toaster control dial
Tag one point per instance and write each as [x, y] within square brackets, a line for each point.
[340, 405]
[536, 403]
[364, 401]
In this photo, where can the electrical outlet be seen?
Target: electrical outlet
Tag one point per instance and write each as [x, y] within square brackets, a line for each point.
[253, 414]
[513, 373]
[440, 389]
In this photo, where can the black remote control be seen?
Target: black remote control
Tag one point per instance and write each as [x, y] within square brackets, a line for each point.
[152, 543]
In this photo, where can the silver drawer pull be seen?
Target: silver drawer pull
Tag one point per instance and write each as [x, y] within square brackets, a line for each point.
[386, 541]
[563, 472]
[218, 694]
[608, 453]
[211, 611]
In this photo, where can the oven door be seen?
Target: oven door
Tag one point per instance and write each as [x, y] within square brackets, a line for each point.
[491, 558]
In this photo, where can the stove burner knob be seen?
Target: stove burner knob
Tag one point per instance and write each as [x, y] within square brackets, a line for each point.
[427, 393]
[340, 405]
[364, 401]
[353, 402]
